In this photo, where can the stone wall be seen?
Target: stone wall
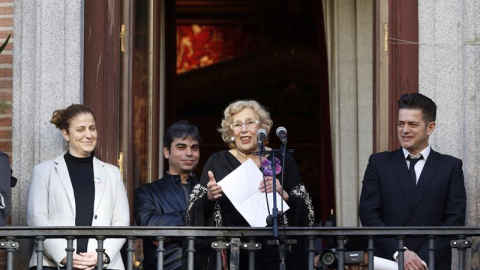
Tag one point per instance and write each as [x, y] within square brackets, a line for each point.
[449, 73]
[48, 74]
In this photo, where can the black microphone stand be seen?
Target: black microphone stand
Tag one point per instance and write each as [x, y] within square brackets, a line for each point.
[272, 220]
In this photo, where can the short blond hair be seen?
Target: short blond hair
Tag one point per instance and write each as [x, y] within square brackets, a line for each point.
[236, 107]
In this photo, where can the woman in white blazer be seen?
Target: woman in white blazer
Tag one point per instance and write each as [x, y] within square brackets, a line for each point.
[77, 189]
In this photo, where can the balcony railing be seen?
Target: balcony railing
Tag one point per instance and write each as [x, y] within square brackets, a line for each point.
[230, 238]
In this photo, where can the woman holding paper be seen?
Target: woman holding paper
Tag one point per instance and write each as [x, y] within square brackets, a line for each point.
[209, 206]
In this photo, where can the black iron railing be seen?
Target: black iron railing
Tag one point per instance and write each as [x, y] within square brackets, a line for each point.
[232, 237]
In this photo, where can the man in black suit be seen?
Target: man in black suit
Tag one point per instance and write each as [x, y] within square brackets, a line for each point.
[164, 202]
[430, 193]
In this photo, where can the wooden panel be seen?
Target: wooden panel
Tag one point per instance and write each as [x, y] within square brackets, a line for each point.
[126, 106]
[102, 73]
[403, 57]
[381, 124]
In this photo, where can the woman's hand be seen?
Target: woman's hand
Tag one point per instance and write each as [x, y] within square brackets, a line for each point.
[86, 260]
[214, 191]
[269, 187]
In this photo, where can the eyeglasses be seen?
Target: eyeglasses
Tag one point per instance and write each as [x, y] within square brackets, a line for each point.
[248, 124]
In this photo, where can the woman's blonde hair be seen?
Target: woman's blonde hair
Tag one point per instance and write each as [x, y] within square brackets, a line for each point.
[236, 107]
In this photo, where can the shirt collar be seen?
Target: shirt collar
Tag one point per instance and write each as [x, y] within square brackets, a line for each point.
[177, 178]
[425, 152]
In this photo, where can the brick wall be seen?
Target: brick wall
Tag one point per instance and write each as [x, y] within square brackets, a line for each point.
[6, 76]
[6, 82]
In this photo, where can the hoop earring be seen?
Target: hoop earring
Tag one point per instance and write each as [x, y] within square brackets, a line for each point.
[232, 139]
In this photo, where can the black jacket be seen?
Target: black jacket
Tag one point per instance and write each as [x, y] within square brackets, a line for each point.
[5, 192]
[389, 198]
[162, 203]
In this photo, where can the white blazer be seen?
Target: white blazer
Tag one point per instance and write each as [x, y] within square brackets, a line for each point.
[51, 202]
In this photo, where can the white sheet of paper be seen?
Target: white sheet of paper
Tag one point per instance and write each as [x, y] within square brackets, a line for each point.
[241, 187]
[384, 264]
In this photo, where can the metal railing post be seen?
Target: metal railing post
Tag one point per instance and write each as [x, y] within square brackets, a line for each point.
[191, 252]
[311, 252]
[461, 245]
[341, 252]
[218, 252]
[371, 254]
[12, 246]
[130, 252]
[251, 255]
[160, 251]
[100, 251]
[401, 252]
[39, 249]
[235, 253]
[70, 251]
[282, 247]
[431, 252]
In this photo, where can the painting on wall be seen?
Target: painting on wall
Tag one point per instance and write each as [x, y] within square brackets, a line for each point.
[203, 45]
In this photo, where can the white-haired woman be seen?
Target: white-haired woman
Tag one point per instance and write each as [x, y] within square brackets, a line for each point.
[210, 207]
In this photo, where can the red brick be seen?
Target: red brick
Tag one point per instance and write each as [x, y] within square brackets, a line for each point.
[4, 34]
[6, 96]
[9, 111]
[6, 59]
[6, 146]
[8, 84]
[6, 10]
[9, 46]
[5, 121]
[6, 111]
[6, 134]
[6, 22]
[6, 72]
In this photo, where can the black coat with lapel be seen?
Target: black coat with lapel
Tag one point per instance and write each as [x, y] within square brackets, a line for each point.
[389, 198]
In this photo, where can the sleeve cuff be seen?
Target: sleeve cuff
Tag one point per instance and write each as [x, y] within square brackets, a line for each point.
[395, 255]
[2, 202]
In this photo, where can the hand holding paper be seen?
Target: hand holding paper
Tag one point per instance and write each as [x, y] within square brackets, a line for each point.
[241, 188]
[269, 189]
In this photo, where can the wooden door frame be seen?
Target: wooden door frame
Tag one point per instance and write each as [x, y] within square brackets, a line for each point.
[381, 124]
[125, 154]
[395, 73]
[107, 81]
[403, 57]
[101, 78]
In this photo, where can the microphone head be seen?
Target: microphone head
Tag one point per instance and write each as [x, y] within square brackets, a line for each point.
[280, 129]
[261, 133]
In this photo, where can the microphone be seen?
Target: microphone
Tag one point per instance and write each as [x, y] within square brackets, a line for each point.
[261, 135]
[282, 134]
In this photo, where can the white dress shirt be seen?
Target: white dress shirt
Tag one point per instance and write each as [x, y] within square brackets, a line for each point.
[421, 163]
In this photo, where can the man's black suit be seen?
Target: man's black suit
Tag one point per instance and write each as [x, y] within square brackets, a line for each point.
[163, 203]
[389, 198]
